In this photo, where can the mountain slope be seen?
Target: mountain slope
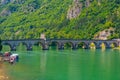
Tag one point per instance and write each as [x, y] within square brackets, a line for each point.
[76, 19]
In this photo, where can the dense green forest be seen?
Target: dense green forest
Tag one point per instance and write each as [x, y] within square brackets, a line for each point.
[27, 19]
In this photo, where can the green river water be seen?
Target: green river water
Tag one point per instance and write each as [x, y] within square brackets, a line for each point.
[65, 65]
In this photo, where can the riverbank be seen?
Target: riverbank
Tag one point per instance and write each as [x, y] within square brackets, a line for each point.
[3, 75]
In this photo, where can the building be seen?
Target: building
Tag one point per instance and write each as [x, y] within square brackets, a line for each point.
[42, 36]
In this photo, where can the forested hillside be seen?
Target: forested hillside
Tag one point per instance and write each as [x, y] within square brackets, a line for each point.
[75, 19]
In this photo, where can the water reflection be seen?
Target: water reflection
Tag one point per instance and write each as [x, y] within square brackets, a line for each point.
[74, 67]
[43, 62]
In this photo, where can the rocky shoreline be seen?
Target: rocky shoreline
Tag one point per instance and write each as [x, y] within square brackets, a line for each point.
[117, 48]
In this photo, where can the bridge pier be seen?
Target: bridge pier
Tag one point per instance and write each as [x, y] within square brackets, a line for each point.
[61, 47]
[74, 47]
[45, 46]
[13, 49]
[86, 47]
[108, 46]
[97, 46]
[29, 48]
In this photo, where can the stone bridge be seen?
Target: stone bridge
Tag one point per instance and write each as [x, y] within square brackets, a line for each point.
[60, 43]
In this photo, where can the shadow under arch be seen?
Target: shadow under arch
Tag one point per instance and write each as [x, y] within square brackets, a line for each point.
[102, 45]
[6, 47]
[93, 45]
[21, 46]
[37, 46]
[54, 45]
[82, 45]
[113, 44]
[106, 45]
[68, 45]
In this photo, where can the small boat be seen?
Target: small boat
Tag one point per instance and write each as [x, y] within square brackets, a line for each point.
[6, 56]
[14, 58]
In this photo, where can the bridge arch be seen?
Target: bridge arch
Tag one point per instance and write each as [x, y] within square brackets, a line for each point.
[87, 43]
[93, 45]
[113, 44]
[41, 45]
[102, 45]
[7, 46]
[54, 45]
[69, 45]
[21, 46]
[82, 45]
[28, 45]
[106, 44]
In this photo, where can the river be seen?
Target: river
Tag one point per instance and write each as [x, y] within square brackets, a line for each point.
[65, 65]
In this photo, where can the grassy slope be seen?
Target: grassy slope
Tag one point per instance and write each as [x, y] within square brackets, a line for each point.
[50, 18]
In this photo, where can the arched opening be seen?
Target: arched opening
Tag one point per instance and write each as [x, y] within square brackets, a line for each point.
[68, 45]
[113, 45]
[37, 46]
[92, 45]
[53, 45]
[21, 47]
[107, 45]
[6, 47]
[82, 45]
[103, 46]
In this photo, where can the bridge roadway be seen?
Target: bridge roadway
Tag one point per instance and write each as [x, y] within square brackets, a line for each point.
[60, 43]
